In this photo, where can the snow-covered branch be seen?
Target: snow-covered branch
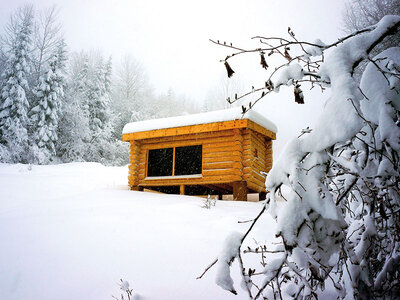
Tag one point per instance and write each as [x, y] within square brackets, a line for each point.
[340, 220]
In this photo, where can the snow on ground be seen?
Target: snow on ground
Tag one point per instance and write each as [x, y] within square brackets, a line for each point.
[72, 231]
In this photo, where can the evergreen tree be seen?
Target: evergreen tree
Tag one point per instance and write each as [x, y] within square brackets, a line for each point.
[74, 119]
[46, 113]
[99, 112]
[14, 104]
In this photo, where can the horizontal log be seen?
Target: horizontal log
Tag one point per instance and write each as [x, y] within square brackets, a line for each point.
[190, 181]
[188, 142]
[256, 187]
[218, 172]
[222, 165]
[227, 158]
[234, 155]
[219, 144]
[254, 180]
[258, 176]
[258, 137]
[222, 149]
[196, 136]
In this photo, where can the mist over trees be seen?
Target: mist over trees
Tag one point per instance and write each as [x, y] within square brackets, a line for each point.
[57, 106]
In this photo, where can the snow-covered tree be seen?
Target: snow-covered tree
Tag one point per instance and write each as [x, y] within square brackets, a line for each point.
[73, 129]
[339, 223]
[14, 104]
[46, 39]
[45, 114]
[99, 112]
[86, 113]
[131, 95]
[359, 14]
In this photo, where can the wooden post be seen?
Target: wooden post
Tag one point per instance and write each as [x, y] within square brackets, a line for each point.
[182, 189]
[220, 196]
[240, 190]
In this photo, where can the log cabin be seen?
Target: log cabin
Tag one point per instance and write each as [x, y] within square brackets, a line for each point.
[219, 152]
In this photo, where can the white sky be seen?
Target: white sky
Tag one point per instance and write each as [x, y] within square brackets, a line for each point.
[170, 39]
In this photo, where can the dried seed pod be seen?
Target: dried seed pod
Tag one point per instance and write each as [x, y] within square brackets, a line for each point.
[228, 69]
[263, 62]
[287, 55]
[269, 85]
[298, 95]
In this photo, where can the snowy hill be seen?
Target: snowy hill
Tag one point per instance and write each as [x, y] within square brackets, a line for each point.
[72, 231]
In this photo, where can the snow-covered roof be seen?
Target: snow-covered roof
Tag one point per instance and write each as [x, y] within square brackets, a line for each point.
[202, 118]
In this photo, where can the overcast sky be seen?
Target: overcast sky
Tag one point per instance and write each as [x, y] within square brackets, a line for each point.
[170, 39]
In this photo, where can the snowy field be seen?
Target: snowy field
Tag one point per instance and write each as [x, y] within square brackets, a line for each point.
[72, 231]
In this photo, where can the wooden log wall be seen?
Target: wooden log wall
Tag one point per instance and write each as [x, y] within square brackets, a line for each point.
[228, 156]
[134, 157]
[257, 159]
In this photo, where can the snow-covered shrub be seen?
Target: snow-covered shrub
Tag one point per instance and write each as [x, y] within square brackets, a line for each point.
[340, 222]
[209, 202]
[125, 288]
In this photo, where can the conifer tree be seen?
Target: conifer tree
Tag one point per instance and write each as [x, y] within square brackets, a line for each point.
[14, 104]
[46, 113]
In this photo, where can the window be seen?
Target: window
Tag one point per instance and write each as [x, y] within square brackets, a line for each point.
[160, 162]
[188, 161]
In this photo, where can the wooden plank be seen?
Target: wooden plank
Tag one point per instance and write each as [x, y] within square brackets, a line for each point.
[196, 136]
[258, 176]
[260, 147]
[190, 181]
[201, 128]
[234, 155]
[188, 142]
[227, 158]
[262, 130]
[233, 147]
[222, 144]
[217, 172]
[255, 187]
[222, 165]
[255, 181]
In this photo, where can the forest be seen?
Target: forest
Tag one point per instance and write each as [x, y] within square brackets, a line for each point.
[59, 106]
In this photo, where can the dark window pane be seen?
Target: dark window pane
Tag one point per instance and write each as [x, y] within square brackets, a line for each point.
[188, 160]
[160, 162]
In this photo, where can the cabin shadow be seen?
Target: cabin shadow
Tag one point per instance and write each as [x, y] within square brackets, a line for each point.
[203, 191]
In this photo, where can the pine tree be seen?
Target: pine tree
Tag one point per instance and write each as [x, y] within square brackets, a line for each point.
[73, 129]
[46, 113]
[99, 112]
[14, 104]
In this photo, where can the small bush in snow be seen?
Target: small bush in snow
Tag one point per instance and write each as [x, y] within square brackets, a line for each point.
[124, 287]
[209, 202]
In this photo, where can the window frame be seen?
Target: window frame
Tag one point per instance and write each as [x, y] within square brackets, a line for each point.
[173, 163]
